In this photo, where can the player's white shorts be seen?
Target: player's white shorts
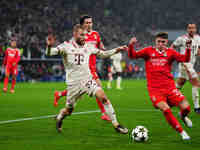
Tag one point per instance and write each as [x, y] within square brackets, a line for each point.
[116, 67]
[74, 91]
[186, 70]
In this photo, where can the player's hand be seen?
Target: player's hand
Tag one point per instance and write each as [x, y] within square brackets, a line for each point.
[122, 48]
[188, 43]
[50, 40]
[133, 41]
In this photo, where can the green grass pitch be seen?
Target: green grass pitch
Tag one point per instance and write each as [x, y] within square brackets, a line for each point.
[88, 131]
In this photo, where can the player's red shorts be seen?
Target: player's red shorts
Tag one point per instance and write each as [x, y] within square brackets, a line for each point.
[93, 71]
[11, 69]
[172, 96]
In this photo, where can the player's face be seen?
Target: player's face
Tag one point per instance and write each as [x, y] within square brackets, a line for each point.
[191, 29]
[79, 36]
[161, 43]
[87, 25]
[13, 44]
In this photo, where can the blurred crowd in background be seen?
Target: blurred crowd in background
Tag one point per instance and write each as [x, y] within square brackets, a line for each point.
[116, 21]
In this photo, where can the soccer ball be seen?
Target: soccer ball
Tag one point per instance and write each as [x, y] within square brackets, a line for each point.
[140, 134]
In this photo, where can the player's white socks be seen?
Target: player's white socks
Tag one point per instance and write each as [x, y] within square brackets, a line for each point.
[110, 112]
[61, 115]
[195, 96]
[184, 135]
[119, 82]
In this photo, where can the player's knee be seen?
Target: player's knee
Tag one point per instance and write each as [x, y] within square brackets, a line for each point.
[163, 106]
[184, 105]
[69, 111]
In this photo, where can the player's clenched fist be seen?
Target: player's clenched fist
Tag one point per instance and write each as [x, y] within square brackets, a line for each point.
[133, 41]
[50, 40]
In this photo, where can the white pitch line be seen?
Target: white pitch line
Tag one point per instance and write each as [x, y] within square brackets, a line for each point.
[43, 117]
[76, 113]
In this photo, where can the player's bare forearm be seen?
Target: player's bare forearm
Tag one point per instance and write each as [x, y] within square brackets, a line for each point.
[105, 54]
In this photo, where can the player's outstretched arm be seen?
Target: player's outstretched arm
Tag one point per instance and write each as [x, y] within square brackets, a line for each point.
[108, 53]
[50, 50]
[132, 53]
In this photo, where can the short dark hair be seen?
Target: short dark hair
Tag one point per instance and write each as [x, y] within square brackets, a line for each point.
[191, 23]
[76, 27]
[163, 35]
[83, 17]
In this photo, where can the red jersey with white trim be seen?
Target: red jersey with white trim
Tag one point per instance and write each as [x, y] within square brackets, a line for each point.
[158, 65]
[93, 38]
[12, 55]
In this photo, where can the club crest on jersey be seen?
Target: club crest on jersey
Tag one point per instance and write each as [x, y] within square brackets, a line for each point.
[165, 54]
[153, 55]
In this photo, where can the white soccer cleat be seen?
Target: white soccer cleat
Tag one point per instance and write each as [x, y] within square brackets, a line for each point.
[184, 135]
[186, 121]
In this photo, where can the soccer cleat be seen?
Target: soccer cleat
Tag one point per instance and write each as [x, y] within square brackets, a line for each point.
[105, 117]
[56, 98]
[121, 129]
[186, 121]
[12, 91]
[5, 90]
[184, 135]
[58, 125]
[197, 110]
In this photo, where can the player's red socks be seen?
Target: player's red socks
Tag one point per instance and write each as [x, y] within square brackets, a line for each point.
[13, 84]
[185, 112]
[172, 120]
[64, 93]
[101, 106]
[6, 79]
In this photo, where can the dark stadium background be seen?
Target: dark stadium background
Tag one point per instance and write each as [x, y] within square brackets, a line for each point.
[115, 20]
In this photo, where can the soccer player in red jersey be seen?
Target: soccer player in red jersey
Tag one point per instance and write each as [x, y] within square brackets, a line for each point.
[92, 37]
[10, 62]
[161, 86]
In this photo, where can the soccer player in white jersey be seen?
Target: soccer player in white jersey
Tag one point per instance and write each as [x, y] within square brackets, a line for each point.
[79, 78]
[186, 70]
[115, 68]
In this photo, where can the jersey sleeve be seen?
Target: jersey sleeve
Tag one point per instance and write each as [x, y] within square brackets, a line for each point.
[143, 53]
[59, 50]
[178, 42]
[182, 57]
